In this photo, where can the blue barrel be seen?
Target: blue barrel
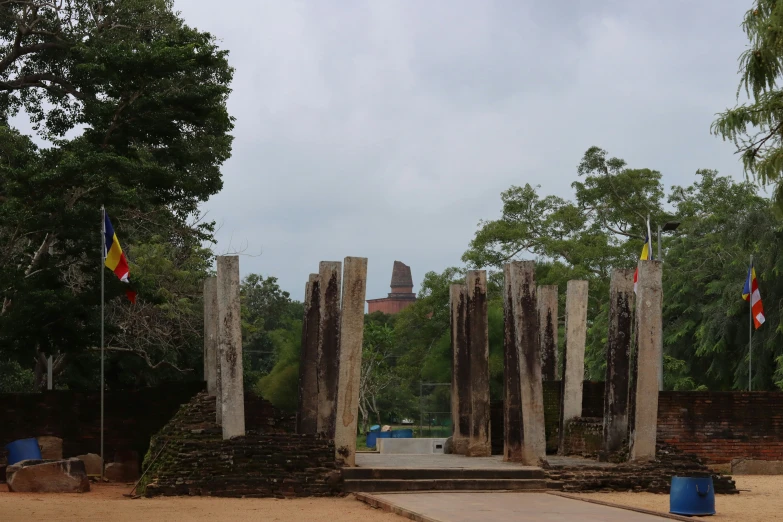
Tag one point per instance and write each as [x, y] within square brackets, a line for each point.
[375, 427]
[692, 496]
[402, 434]
[23, 449]
[373, 436]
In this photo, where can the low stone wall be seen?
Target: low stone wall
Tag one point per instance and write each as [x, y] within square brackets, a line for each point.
[652, 477]
[584, 436]
[189, 457]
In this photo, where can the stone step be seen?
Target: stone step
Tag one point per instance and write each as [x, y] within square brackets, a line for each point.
[442, 473]
[387, 485]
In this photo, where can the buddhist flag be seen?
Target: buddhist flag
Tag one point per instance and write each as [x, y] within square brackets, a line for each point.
[751, 293]
[114, 257]
[645, 255]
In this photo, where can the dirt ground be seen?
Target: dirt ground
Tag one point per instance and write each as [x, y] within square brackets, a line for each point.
[106, 503]
[763, 501]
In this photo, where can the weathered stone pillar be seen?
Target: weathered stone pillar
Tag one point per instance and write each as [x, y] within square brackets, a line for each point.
[210, 334]
[573, 355]
[525, 315]
[351, 337]
[477, 334]
[512, 383]
[232, 394]
[329, 274]
[618, 358]
[460, 372]
[649, 327]
[547, 330]
[307, 418]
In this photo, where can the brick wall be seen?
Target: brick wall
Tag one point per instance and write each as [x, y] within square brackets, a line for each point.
[131, 417]
[584, 436]
[720, 426]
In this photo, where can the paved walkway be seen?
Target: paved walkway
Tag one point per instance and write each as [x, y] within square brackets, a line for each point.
[503, 507]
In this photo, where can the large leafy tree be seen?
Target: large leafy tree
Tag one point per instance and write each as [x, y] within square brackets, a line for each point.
[602, 228]
[756, 127]
[705, 319]
[131, 105]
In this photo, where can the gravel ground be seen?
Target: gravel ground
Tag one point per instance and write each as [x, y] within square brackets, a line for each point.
[106, 503]
[762, 503]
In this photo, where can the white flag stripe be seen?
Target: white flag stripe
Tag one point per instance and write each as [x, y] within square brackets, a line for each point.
[760, 318]
[755, 297]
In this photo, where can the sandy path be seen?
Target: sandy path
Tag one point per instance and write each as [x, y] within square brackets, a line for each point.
[106, 503]
[762, 503]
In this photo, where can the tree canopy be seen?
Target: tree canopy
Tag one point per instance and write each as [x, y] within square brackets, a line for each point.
[129, 104]
[756, 127]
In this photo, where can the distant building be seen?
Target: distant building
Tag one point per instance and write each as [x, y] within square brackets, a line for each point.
[401, 295]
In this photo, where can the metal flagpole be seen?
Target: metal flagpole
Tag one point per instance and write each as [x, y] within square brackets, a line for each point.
[750, 325]
[103, 262]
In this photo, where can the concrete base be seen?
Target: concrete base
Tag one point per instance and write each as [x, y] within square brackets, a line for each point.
[756, 467]
[412, 446]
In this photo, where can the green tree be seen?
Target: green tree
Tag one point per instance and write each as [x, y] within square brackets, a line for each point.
[756, 127]
[132, 105]
[604, 227]
[705, 318]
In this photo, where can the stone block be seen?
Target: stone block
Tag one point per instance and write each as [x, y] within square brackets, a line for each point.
[41, 476]
[51, 447]
[424, 446]
[127, 471]
[93, 463]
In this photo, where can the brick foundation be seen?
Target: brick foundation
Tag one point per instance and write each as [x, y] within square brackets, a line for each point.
[192, 459]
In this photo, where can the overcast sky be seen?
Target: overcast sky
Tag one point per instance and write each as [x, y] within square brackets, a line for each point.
[387, 129]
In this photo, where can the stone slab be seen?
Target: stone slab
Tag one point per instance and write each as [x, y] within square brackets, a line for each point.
[93, 463]
[42, 476]
[497, 507]
[51, 447]
[424, 446]
[127, 471]
[756, 467]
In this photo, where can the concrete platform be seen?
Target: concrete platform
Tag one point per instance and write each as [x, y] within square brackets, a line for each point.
[377, 460]
[497, 507]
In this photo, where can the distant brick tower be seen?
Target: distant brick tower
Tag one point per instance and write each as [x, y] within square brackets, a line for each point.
[401, 295]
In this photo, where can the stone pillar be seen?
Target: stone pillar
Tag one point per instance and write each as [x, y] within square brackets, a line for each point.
[477, 334]
[351, 341]
[525, 315]
[547, 330]
[460, 372]
[210, 334]
[649, 328]
[307, 417]
[512, 383]
[329, 273]
[232, 394]
[618, 358]
[573, 355]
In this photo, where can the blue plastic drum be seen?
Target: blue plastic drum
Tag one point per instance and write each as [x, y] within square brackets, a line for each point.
[23, 449]
[373, 436]
[692, 496]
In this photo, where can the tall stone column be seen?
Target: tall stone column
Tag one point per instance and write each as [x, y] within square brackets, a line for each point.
[460, 371]
[329, 276]
[351, 337]
[307, 418]
[573, 356]
[525, 315]
[477, 334]
[618, 358]
[547, 330]
[210, 334]
[649, 327]
[232, 394]
[512, 377]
